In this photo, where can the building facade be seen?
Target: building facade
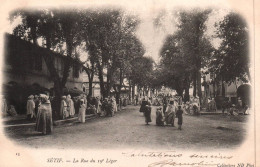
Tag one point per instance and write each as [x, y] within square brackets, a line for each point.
[25, 71]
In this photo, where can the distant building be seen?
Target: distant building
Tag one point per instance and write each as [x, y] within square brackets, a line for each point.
[221, 90]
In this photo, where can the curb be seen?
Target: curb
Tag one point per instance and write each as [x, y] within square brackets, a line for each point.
[55, 123]
[61, 122]
[211, 113]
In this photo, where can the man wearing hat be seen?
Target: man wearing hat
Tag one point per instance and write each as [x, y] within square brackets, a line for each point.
[30, 107]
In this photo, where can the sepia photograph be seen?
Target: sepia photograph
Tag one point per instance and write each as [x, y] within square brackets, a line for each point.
[130, 84]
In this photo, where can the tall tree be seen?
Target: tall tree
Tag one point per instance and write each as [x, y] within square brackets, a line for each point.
[231, 59]
[196, 46]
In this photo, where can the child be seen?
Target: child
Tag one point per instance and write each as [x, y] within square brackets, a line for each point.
[179, 113]
[159, 117]
[232, 109]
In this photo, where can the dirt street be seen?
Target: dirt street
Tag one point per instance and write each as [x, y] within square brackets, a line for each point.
[127, 129]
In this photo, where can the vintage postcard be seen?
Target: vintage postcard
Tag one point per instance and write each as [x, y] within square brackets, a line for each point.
[164, 83]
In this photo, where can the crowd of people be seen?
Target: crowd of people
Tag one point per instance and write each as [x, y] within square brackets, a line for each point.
[171, 109]
[39, 108]
[235, 109]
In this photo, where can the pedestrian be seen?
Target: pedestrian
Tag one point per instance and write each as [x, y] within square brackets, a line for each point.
[213, 105]
[98, 106]
[12, 111]
[4, 106]
[209, 105]
[105, 107]
[71, 109]
[179, 113]
[170, 113]
[147, 113]
[239, 104]
[64, 108]
[77, 104]
[44, 116]
[82, 111]
[30, 108]
[165, 103]
[37, 103]
[136, 100]
[159, 117]
[187, 107]
[143, 104]
[114, 104]
[225, 105]
[232, 110]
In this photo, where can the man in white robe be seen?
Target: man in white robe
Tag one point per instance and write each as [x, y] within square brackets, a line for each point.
[71, 109]
[30, 108]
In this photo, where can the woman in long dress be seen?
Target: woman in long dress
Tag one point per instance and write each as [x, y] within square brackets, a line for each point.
[143, 104]
[147, 113]
[64, 108]
[170, 113]
[44, 116]
[82, 111]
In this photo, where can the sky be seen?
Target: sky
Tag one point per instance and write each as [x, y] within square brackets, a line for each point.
[153, 36]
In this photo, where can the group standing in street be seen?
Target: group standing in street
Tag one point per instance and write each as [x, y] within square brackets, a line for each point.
[171, 110]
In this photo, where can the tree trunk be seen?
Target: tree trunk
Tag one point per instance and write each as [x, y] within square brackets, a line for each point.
[133, 91]
[120, 82]
[129, 91]
[214, 88]
[195, 85]
[199, 85]
[58, 90]
[101, 80]
[223, 87]
[108, 81]
[187, 89]
[90, 84]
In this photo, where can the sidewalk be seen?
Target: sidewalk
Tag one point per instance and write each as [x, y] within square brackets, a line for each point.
[218, 112]
[21, 120]
[205, 112]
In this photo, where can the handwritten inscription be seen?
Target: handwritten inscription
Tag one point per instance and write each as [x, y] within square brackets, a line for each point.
[172, 162]
[218, 156]
[167, 154]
